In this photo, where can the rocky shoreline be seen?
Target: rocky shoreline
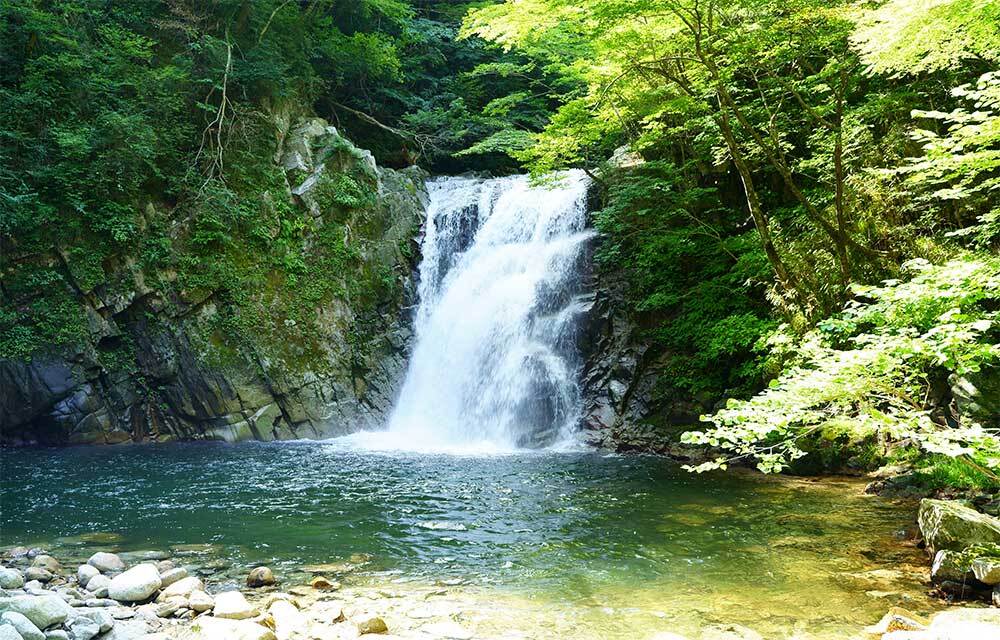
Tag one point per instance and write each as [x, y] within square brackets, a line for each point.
[155, 595]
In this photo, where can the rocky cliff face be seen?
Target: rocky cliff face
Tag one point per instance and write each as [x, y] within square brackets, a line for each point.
[622, 410]
[156, 359]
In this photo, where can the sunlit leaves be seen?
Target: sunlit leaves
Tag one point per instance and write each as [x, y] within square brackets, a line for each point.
[910, 37]
[937, 322]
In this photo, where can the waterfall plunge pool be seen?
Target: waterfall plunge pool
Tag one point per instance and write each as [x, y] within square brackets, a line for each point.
[552, 545]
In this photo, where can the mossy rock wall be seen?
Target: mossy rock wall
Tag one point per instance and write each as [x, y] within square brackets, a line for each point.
[275, 308]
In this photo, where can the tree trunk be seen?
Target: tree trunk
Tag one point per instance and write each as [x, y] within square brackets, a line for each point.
[786, 279]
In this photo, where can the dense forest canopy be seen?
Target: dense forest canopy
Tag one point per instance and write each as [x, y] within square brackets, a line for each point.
[774, 165]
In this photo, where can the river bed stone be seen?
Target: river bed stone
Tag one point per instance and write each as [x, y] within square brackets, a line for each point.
[233, 605]
[106, 562]
[136, 584]
[43, 610]
[28, 629]
[10, 578]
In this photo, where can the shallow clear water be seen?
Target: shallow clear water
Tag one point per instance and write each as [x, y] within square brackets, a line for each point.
[594, 544]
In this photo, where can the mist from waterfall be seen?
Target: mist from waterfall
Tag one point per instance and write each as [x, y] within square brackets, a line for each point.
[495, 361]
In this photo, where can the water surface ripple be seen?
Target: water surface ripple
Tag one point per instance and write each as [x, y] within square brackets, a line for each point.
[568, 530]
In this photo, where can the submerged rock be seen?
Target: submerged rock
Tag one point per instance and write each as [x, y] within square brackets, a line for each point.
[447, 630]
[729, 632]
[372, 624]
[949, 525]
[137, 584]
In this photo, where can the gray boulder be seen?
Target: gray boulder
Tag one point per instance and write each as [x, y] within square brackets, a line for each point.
[260, 577]
[43, 611]
[966, 624]
[38, 574]
[8, 632]
[171, 576]
[98, 585]
[987, 570]
[106, 562]
[25, 627]
[978, 395]
[85, 572]
[199, 601]
[234, 605]
[206, 628]
[10, 578]
[137, 584]
[947, 565]
[949, 525]
[82, 628]
[101, 617]
[182, 588]
[48, 563]
[131, 630]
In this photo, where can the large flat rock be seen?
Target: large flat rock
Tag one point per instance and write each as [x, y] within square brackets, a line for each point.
[950, 525]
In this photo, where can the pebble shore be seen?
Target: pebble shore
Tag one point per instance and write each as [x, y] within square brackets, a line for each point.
[159, 596]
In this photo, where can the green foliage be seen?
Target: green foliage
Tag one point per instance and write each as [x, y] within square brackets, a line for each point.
[910, 37]
[958, 175]
[46, 316]
[693, 276]
[773, 113]
[146, 131]
[936, 471]
[872, 368]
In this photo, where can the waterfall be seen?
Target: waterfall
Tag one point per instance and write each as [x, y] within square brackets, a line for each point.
[495, 359]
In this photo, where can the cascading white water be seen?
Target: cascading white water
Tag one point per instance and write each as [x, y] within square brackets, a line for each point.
[495, 360]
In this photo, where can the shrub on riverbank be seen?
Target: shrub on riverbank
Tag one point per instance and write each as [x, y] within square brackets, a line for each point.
[891, 367]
